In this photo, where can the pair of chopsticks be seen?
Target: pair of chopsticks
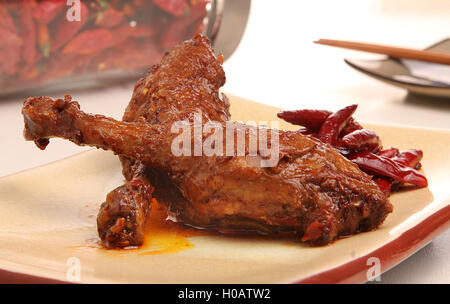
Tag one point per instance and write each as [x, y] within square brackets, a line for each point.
[396, 52]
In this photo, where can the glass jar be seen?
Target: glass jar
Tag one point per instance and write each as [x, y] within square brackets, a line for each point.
[50, 45]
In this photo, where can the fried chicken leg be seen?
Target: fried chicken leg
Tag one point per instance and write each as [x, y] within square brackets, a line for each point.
[122, 217]
[312, 190]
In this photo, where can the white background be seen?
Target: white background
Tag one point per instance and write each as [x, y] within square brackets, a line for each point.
[277, 64]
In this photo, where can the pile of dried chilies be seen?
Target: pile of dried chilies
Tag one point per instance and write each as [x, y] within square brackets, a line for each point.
[40, 43]
[389, 168]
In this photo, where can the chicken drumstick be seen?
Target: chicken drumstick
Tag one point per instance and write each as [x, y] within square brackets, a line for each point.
[312, 190]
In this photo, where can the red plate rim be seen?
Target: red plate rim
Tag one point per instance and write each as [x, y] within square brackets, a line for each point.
[389, 254]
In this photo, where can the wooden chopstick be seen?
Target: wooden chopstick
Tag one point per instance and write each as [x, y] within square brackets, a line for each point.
[397, 52]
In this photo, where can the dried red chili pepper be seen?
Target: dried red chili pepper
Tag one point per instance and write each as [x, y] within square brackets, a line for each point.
[311, 119]
[173, 7]
[410, 158]
[389, 168]
[121, 34]
[198, 27]
[9, 58]
[306, 131]
[65, 29]
[131, 55]
[89, 42]
[352, 125]
[61, 65]
[28, 32]
[47, 10]
[139, 3]
[142, 31]
[174, 32]
[389, 153]
[10, 52]
[130, 41]
[361, 140]
[128, 9]
[6, 21]
[182, 27]
[386, 167]
[384, 184]
[334, 124]
[109, 18]
[198, 8]
[28, 73]
[43, 39]
[313, 231]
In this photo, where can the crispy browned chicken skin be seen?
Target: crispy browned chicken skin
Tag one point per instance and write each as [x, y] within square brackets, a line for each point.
[312, 190]
[122, 217]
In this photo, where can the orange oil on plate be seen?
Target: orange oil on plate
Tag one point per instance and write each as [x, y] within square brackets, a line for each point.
[165, 236]
[161, 236]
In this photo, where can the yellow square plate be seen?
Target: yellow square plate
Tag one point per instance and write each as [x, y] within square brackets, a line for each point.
[48, 221]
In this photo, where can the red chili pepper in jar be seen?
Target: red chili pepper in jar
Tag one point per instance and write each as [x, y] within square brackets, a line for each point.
[65, 29]
[183, 28]
[109, 18]
[44, 39]
[89, 42]
[10, 50]
[136, 55]
[28, 32]
[75, 47]
[47, 10]
[6, 21]
[120, 35]
[175, 32]
[129, 10]
[173, 7]
[60, 65]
